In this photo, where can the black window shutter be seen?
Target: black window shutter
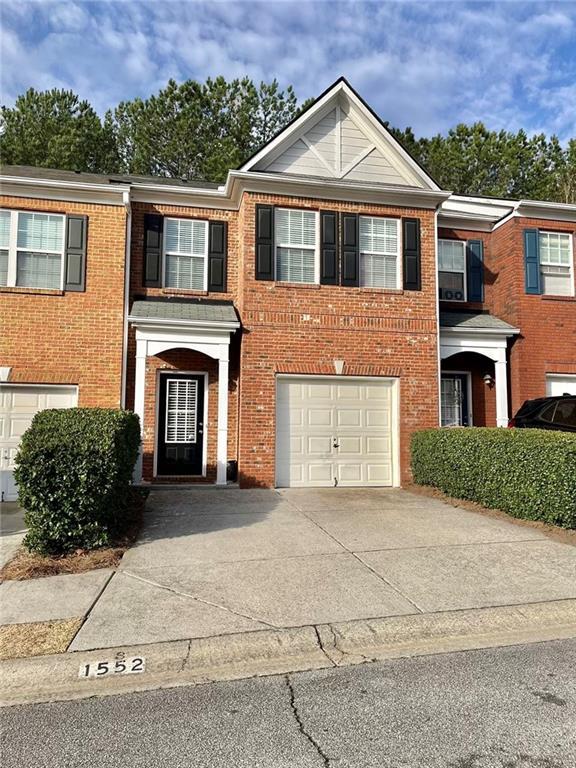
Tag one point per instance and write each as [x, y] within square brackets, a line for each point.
[411, 254]
[350, 267]
[76, 243]
[328, 248]
[217, 253]
[264, 242]
[153, 225]
[475, 270]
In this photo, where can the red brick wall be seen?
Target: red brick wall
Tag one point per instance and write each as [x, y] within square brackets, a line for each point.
[56, 337]
[303, 329]
[547, 342]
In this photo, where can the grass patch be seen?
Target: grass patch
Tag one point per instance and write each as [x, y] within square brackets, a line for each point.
[29, 565]
[38, 639]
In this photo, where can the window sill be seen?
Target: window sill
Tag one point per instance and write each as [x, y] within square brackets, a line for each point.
[34, 291]
[551, 297]
[183, 292]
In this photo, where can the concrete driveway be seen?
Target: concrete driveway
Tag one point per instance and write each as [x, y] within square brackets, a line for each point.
[211, 562]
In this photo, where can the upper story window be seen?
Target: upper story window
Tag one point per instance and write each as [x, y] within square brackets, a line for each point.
[379, 252]
[452, 270]
[296, 245]
[186, 254]
[31, 249]
[556, 263]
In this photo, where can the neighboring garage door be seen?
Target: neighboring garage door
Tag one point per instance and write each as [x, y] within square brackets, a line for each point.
[335, 431]
[557, 384]
[18, 404]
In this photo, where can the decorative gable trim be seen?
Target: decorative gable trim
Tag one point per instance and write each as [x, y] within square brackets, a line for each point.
[391, 162]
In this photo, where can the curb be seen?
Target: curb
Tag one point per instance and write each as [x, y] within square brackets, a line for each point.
[271, 652]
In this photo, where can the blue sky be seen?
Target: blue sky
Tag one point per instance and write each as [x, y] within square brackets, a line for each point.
[429, 65]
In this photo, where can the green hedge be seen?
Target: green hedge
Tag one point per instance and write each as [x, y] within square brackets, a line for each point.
[529, 473]
[73, 471]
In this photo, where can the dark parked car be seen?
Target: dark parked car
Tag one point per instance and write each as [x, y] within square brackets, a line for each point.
[547, 413]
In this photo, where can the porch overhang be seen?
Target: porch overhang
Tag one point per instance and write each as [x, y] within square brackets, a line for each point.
[203, 327]
[485, 335]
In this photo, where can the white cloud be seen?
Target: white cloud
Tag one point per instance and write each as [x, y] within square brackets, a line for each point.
[427, 65]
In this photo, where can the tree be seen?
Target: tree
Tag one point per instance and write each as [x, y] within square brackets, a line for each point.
[200, 131]
[54, 129]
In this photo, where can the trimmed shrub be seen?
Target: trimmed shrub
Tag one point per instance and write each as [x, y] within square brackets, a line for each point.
[529, 473]
[73, 471]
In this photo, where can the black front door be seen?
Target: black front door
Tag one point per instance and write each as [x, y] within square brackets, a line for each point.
[180, 424]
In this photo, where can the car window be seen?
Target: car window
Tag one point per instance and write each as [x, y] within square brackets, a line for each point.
[548, 413]
[565, 413]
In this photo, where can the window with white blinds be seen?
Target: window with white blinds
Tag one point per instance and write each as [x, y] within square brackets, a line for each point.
[452, 270]
[181, 410]
[379, 252]
[31, 249]
[186, 253]
[556, 263]
[296, 234]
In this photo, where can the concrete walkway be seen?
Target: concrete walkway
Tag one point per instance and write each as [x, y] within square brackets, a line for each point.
[215, 562]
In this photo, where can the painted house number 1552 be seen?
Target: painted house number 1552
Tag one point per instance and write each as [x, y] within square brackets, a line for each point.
[121, 665]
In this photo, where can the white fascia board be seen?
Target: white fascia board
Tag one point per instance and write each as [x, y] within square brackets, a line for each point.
[158, 322]
[463, 330]
[187, 196]
[536, 209]
[456, 221]
[48, 189]
[275, 183]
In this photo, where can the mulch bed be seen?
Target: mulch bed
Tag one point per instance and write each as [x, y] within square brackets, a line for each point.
[27, 565]
[563, 535]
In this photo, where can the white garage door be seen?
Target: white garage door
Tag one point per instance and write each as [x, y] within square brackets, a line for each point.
[560, 385]
[18, 404]
[335, 431]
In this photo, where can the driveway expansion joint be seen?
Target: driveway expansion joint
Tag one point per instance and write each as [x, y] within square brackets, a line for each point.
[200, 600]
[308, 736]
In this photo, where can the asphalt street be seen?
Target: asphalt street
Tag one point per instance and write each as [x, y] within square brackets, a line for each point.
[500, 708]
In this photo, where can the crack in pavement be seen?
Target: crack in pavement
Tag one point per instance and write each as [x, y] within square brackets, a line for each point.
[324, 651]
[200, 600]
[300, 724]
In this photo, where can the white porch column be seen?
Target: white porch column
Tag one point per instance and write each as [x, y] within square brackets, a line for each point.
[222, 443]
[501, 384]
[139, 392]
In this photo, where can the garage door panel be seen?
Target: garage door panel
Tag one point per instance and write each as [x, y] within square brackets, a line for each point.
[313, 415]
[377, 418]
[320, 417]
[321, 472]
[560, 385]
[379, 473]
[349, 417]
[19, 404]
[319, 445]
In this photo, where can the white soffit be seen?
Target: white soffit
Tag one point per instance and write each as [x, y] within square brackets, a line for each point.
[340, 138]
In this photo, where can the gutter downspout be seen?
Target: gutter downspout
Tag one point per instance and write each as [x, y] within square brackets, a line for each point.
[123, 384]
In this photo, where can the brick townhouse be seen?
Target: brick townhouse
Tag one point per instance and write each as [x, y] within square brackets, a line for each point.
[294, 325]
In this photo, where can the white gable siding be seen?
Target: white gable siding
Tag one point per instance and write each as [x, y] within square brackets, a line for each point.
[341, 145]
[298, 159]
[376, 168]
[322, 136]
[353, 141]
